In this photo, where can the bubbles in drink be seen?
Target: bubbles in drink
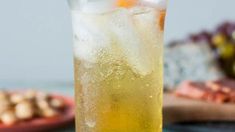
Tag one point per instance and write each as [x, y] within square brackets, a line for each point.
[91, 124]
[122, 28]
[118, 68]
[90, 36]
[130, 42]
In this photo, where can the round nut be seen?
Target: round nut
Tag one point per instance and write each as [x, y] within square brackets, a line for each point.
[24, 110]
[3, 95]
[9, 118]
[42, 96]
[17, 98]
[49, 112]
[42, 104]
[4, 105]
[57, 103]
[30, 94]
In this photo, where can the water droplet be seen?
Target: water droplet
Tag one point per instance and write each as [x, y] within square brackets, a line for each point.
[91, 123]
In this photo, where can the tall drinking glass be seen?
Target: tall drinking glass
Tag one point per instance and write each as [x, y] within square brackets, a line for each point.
[118, 64]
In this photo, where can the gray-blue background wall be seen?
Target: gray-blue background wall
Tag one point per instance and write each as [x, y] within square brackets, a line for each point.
[36, 35]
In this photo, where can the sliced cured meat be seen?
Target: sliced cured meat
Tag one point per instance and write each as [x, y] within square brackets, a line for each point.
[192, 90]
[218, 91]
[226, 86]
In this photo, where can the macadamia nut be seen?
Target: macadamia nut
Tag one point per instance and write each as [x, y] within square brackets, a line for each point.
[4, 105]
[17, 98]
[9, 118]
[57, 103]
[24, 110]
[43, 104]
[49, 112]
[42, 96]
[30, 94]
[3, 95]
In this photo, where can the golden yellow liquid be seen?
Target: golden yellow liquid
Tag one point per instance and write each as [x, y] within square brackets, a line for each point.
[112, 96]
[122, 101]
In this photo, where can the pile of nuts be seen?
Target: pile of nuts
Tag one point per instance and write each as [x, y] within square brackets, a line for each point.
[20, 106]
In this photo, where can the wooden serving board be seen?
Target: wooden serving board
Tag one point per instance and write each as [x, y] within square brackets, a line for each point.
[178, 109]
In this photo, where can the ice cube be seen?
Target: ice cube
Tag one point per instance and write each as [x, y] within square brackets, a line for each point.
[97, 6]
[159, 4]
[91, 36]
[129, 40]
[146, 24]
[147, 12]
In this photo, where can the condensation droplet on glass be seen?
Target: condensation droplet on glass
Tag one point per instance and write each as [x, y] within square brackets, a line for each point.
[91, 123]
[101, 74]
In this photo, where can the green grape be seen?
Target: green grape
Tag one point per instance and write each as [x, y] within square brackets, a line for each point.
[233, 67]
[219, 39]
[227, 50]
[233, 35]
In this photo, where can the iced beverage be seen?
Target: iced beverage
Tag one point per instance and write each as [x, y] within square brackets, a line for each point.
[118, 67]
